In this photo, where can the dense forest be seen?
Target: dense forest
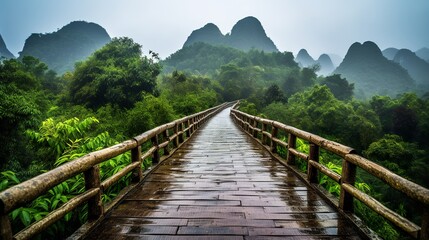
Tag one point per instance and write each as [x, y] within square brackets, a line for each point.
[48, 119]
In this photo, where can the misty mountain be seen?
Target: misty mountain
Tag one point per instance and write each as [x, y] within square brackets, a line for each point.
[390, 53]
[416, 67]
[304, 59]
[60, 50]
[200, 58]
[372, 73]
[423, 53]
[336, 59]
[210, 34]
[204, 58]
[246, 34]
[4, 52]
[326, 65]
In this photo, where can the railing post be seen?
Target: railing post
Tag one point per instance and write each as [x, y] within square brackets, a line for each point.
[424, 234]
[311, 170]
[179, 129]
[194, 124]
[165, 137]
[136, 155]
[244, 123]
[348, 176]
[176, 132]
[188, 132]
[156, 153]
[291, 143]
[92, 180]
[5, 227]
[274, 132]
[255, 125]
[263, 137]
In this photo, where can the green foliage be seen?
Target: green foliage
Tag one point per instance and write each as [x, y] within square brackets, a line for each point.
[403, 158]
[116, 74]
[236, 82]
[299, 80]
[200, 58]
[189, 94]
[22, 104]
[73, 137]
[339, 86]
[274, 94]
[55, 138]
[248, 107]
[147, 114]
[8, 179]
[318, 111]
[406, 116]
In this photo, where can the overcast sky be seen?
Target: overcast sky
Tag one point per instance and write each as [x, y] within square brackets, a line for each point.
[320, 26]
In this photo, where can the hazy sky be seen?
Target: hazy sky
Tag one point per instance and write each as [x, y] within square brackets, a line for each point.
[320, 26]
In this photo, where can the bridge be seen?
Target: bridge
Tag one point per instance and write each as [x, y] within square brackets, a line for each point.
[224, 181]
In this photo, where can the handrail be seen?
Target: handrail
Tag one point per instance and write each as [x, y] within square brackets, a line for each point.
[25, 192]
[258, 127]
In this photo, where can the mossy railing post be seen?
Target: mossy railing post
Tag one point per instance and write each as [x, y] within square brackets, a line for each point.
[136, 155]
[291, 143]
[155, 143]
[311, 170]
[5, 227]
[92, 180]
[274, 132]
[348, 176]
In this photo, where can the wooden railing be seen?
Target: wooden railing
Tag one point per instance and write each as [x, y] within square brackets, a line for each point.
[160, 138]
[266, 132]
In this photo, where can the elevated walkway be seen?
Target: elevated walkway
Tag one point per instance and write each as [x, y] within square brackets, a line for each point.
[221, 184]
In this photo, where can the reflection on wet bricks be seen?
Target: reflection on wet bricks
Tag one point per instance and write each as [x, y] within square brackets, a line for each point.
[222, 185]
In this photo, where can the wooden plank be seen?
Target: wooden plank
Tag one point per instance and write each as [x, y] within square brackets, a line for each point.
[212, 230]
[221, 184]
[332, 231]
[231, 222]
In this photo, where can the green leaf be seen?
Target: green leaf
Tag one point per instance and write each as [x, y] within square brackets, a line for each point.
[25, 217]
[15, 213]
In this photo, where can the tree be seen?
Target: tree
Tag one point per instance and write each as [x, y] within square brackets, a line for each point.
[115, 74]
[274, 94]
[339, 86]
[21, 107]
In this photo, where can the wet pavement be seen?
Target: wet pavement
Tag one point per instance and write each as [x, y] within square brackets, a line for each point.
[222, 185]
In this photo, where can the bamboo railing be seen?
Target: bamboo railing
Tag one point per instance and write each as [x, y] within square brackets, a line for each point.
[23, 193]
[266, 132]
